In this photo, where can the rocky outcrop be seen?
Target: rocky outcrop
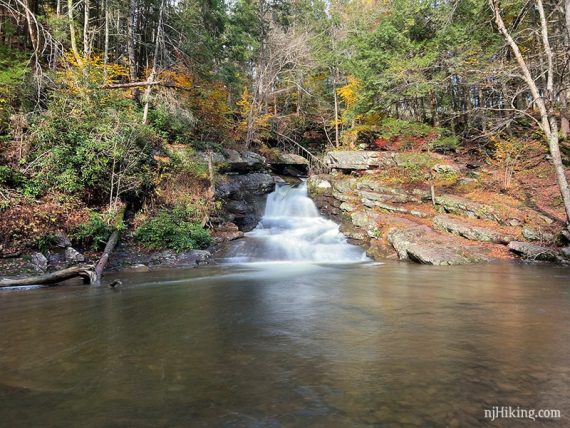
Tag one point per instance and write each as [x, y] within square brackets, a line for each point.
[396, 221]
[241, 163]
[39, 262]
[422, 245]
[226, 232]
[243, 198]
[534, 252]
[126, 258]
[72, 256]
[290, 164]
[462, 206]
[470, 231]
[358, 160]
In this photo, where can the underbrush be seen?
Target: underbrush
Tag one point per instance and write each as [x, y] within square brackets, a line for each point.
[175, 229]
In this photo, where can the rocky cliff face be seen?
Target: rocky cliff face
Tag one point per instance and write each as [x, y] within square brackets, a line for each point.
[394, 218]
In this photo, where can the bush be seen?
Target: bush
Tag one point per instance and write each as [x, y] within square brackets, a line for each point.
[173, 229]
[401, 135]
[93, 233]
[90, 144]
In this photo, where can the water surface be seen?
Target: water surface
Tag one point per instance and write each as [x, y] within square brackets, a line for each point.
[289, 345]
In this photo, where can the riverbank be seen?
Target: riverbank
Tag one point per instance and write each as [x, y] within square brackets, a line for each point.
[428, 209]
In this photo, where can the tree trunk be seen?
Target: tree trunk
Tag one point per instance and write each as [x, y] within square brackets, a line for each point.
[85, 272]
[131, 45]
[152, 75]
[72, 35]
[86, 47]
[106, 43]
[548, 122]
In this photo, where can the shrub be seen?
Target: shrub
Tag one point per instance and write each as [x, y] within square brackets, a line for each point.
[401, 135]
[45, 242]
[94, 233]
[90, 144]
[173, 229]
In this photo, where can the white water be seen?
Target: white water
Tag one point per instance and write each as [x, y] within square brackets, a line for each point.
[293, 230]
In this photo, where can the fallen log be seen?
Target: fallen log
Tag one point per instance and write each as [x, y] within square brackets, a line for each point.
[91, 274]
[100, 266]
[85, 272]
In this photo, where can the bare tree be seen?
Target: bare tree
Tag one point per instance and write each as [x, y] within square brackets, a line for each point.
[544, 101]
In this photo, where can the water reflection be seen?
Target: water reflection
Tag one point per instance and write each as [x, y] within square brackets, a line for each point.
[275, 345]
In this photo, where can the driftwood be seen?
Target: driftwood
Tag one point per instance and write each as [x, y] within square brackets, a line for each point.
[85, 272]
[100, 266]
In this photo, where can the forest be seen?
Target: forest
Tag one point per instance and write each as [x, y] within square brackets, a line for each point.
[107, 104]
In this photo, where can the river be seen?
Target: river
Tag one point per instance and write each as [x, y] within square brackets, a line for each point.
[290, 344]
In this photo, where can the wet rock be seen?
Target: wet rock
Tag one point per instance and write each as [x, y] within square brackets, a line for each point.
[317, 185]
[135, 259]
[531, 251]
[354, 233]
[462, 206]
[39, 262]
[227, 232]
[380, 249]
[193, 258]
[422, 245]
[471, 232]
[73, 256]
[358, 160]
[243, 198]
[291, 164]
[139, 267]
[533, 234]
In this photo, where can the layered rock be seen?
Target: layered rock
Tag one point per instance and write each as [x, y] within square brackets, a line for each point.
[243, 198]
[290, 164]
[396, 221]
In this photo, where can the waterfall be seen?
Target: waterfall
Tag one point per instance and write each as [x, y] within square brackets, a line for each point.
[293, 230]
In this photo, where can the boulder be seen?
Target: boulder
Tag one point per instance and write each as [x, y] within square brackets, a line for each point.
[533, 234]
[462, 206]
[291, 164]
[317, 185]
[61, 240]
[469, 231]
[530, 251]
[423, 245]
[445, 169]
[73, 256]
[39, 262]
[358, 160]
[243, 163]
[243, 198]
[227, 232]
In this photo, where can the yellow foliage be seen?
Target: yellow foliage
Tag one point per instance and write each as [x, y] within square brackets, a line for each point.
[92, 70]
[349, 92]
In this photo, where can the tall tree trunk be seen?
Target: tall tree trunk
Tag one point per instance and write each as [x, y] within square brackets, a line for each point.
[548, 122]
[86, 13]
[131, 43]
[72, 34]
[152, 75]
[106, 43]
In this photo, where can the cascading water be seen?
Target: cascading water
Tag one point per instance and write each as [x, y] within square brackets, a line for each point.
[293, 230]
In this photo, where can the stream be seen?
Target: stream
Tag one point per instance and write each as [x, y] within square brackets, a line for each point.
[292, 329]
